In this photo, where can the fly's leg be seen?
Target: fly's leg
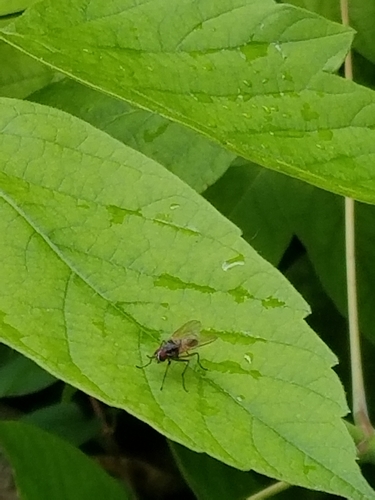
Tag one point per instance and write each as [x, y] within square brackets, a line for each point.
[147, 364]
[187, 361]
[165, 373]
[198, 359]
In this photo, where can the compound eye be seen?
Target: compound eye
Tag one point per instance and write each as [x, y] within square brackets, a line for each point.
[161, 356]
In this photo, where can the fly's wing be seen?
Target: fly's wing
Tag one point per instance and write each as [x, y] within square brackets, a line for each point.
[190, 337]
[190, 329]
[205, 339]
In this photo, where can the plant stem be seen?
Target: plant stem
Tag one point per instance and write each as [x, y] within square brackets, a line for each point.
[272, 490]
[360, 412]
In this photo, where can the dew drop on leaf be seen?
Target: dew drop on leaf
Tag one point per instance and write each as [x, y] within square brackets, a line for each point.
[238, 260]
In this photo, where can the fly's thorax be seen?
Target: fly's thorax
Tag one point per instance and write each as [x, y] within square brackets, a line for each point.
[168, 350]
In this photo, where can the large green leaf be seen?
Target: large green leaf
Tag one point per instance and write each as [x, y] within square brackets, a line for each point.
[250, 74]
[47, 468]
[195, 159]
[107, 253]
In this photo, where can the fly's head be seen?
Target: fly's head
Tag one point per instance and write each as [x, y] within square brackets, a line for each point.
[167, 350]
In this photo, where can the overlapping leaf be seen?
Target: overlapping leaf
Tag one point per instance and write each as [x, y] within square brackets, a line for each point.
[107, 253]
[192, 157]
[250, 74]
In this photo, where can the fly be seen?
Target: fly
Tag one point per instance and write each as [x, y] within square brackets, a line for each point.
[178, 348]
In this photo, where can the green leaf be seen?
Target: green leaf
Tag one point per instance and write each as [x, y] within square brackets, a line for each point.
[245, 194]
[8, 7]
[20, 375]
[65, 420]
[193, 158]
[317, 218]
[252, 75]
[361, 15]
[107, 253]
[209, 478]
[47, 468]
[327, 8]
[21, 75]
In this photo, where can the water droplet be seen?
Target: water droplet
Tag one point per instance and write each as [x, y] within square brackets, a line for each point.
[174, 206]
[287, 76]
[238, 260]
[208, 66]
[240, 398]
[248, 358]
[164, 318]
